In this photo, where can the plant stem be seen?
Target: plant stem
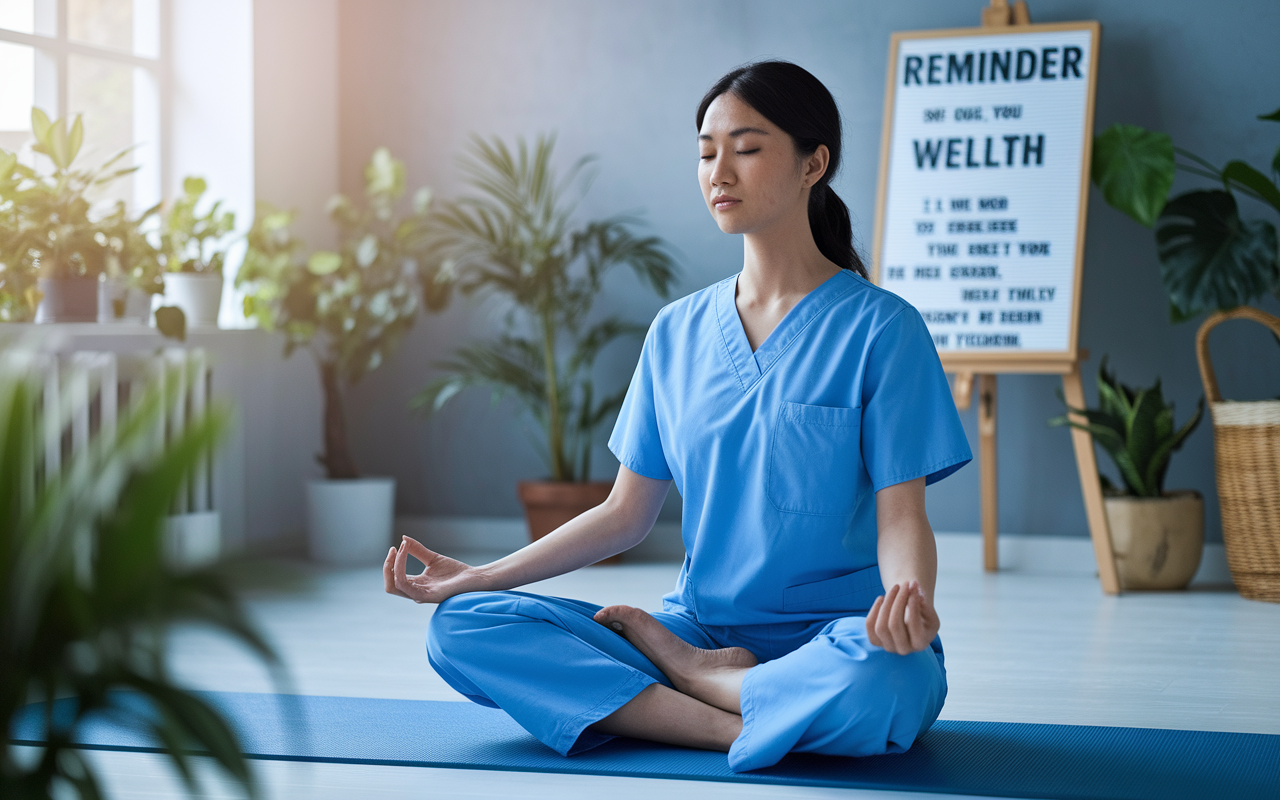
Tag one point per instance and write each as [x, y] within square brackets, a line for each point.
[555, 425]
[337, 459]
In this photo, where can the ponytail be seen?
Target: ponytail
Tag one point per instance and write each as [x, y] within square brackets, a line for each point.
[797, 102]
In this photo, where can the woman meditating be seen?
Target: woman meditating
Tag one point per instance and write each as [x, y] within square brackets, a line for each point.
[800, 410]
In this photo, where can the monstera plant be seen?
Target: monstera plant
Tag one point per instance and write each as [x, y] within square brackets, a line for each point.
[1210, 258]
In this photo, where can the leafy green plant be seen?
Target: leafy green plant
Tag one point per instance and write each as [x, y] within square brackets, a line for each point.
[87, 595]
[192, 242]
[131, 257]
[1209, 257]
[1135, 427]
[52, 230]
[515, 237]
[349, 307]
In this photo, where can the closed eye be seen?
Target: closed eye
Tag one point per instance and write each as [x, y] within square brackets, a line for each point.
[747, 152]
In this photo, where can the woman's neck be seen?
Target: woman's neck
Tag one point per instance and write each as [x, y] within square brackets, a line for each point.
[782, 262]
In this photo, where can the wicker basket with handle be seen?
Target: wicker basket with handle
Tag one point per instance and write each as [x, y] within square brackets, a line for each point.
[1246, 440]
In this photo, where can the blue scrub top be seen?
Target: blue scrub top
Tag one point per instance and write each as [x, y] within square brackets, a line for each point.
[778, 453]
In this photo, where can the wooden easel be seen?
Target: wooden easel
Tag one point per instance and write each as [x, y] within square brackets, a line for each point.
[1001, 14]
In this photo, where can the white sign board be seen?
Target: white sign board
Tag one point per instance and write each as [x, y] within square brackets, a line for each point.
[983, 180]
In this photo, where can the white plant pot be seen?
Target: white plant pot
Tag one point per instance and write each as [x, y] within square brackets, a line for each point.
[114, 294]
[198, 295]
[349, 522]
[193, 540]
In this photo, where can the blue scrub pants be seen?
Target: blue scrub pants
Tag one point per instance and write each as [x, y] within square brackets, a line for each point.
[820, 687]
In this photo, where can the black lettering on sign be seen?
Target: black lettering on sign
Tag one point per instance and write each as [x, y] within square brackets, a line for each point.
[959, 204]
[993, 203]
[1033, 248]
[968, 114]
[964, 226]
[1020, 317]
[895, 273]
[934, 114]
[985, 249]
[987, 340]
[929, 151]
[1031, 294]
[980, 295]
[939, 250]
[923, 228]
[928, 273]
[985, 271]
[1002, 226]
[945, 317]
[1007, 112]
[1050, 63]
[986, 317]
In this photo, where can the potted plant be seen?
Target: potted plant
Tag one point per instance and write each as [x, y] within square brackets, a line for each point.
[349, 308]
[133, 271]
[18, 297]
[87, 596]
[515, 237]
[194, 247]
[54, 236]
[1213, 261]
[1157, 536]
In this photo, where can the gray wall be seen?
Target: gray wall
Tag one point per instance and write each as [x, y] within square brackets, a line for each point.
[622, 80]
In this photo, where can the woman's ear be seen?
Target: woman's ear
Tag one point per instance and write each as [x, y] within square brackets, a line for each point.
[815, 165]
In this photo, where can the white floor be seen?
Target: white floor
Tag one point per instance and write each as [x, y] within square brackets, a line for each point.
[1021, 647]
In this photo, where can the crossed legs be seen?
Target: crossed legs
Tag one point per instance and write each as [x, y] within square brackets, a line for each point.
[704, 710]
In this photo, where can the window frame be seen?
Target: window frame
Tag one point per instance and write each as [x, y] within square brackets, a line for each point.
[60, 47]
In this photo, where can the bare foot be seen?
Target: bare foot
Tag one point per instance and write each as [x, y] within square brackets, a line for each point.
[712, 676]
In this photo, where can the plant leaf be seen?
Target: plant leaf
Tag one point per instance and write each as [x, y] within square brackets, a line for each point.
[1274, 116]
[1210, 259]
[1134, 169]
[1242, 173]
[172, 322]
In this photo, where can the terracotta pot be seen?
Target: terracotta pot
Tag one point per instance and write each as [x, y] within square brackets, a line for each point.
[1157, 541]
[550, 504]
[67, 300]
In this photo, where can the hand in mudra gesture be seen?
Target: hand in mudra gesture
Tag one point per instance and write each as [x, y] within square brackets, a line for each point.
[442, 578]
[902, 620]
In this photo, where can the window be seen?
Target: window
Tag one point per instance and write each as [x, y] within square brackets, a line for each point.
[103, 59]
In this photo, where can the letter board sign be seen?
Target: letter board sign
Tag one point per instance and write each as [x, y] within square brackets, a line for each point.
[984, 174]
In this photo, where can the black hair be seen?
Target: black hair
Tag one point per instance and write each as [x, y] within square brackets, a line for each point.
[790, 97]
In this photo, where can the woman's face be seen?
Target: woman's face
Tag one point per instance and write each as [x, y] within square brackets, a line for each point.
[751, 174]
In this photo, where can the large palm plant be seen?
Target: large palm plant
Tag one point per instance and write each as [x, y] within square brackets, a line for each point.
[516, 237]
[87, 596]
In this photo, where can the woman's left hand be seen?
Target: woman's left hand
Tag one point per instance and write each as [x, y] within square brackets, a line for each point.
[902, 620]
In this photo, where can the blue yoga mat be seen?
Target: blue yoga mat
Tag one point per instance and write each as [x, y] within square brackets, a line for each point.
[995, 759]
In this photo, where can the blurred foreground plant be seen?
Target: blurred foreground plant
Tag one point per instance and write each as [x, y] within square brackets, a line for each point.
[87, 597]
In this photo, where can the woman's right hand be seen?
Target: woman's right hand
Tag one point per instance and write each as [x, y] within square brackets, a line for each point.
[442, 578]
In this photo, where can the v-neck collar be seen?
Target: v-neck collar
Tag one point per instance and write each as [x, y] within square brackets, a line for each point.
[750, 366]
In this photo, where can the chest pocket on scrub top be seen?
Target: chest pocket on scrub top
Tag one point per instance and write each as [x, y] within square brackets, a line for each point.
[815, 459]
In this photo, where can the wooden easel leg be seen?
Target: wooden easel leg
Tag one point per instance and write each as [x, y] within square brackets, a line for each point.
[1091, 488]
[987, 467]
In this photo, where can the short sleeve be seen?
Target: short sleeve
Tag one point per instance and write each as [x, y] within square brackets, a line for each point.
[910, 428]
[635, 439]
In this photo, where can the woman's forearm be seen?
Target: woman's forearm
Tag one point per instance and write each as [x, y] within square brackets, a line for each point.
[905, 546]
[598, 533]
[907, 552]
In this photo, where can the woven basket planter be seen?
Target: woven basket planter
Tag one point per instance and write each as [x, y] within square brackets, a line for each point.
[1246, 441]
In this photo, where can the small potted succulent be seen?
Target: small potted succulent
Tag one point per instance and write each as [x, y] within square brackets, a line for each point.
[1157, 535]
[53, 233]
[349, 308]
[515, 237]
[193, 247]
